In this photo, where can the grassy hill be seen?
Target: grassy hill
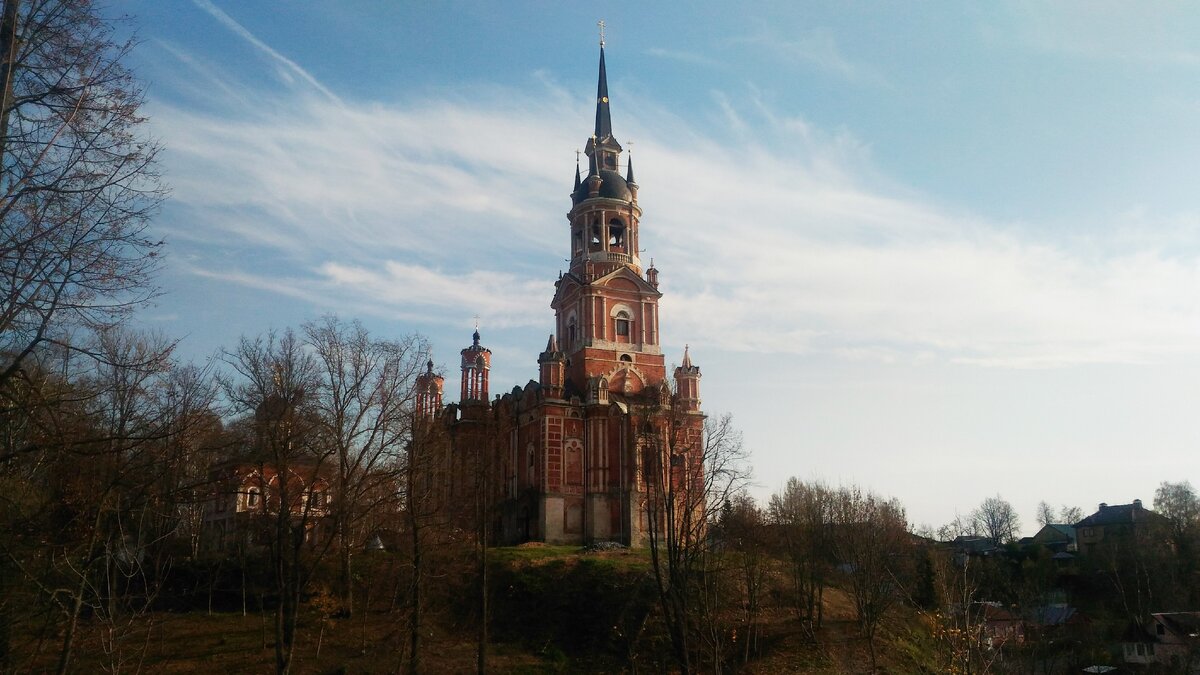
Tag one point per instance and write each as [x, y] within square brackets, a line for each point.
[552, 610]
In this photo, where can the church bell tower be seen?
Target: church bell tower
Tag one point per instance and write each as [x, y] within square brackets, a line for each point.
[606, 305]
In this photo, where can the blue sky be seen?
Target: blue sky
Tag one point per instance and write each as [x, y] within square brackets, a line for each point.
[942, 250]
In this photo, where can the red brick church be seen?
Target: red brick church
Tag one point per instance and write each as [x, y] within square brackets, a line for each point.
[570, 457]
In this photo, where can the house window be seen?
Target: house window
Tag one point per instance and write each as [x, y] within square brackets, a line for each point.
[252, 497]
[577, 242]
[571, 332]
[625, 358]
[595, 235]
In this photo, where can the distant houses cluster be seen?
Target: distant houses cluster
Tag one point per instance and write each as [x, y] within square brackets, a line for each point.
[1106, 539]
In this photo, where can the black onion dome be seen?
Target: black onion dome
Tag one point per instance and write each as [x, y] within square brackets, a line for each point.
[613, 186]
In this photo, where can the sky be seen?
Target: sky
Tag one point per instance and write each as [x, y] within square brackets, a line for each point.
[944, 251]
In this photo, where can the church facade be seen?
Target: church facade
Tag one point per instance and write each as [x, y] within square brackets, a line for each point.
[574, 456]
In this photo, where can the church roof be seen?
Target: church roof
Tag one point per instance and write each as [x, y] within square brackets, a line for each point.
[612, 186]
[603, 117]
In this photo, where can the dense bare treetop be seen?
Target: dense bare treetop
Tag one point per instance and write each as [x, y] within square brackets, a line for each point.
[78, 180]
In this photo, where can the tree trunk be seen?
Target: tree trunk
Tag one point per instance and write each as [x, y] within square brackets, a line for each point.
[414, 622]
[481, 656]
[283, 577]
[8, 52]
[68, 644]
[7, 572]
[347, 583]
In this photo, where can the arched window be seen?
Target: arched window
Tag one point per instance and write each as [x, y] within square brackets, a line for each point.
[571, 332]
[622, 324]
[595, 234]
[616, 234]
[625, 358]
[577, 242]
[252, 497]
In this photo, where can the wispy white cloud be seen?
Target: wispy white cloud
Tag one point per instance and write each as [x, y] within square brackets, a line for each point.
[816, 48]
[288, 67]
[780, 241]
[692, 58]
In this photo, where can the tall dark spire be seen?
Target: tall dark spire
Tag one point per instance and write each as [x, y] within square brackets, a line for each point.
[603, 120]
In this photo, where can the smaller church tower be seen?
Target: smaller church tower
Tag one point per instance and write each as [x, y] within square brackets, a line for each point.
[552, 364]
[476, 362]
[687, 383]
[429, 392]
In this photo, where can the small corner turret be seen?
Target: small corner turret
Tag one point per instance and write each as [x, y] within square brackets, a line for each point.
[476, 362]
[429, 392]
[551, 363]
[687, 383]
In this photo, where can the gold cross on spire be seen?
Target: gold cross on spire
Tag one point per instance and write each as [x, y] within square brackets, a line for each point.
[600, 23]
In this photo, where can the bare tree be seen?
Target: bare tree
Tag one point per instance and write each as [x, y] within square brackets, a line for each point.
[692, 466]
[961, 526]
[78, 181]
[1070, 514]
[803, 513]
[997, 520]
[959, 644]
[364, 404]
[421, 515]
[191, 441]
[871, 541]
[275, 380]
[99, 498]
[1046, 514]
[742, 528]
[1179, 503]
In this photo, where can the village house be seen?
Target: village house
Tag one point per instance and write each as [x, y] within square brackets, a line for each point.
[1118, 522]
[1169, 638]
[1057, 537]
